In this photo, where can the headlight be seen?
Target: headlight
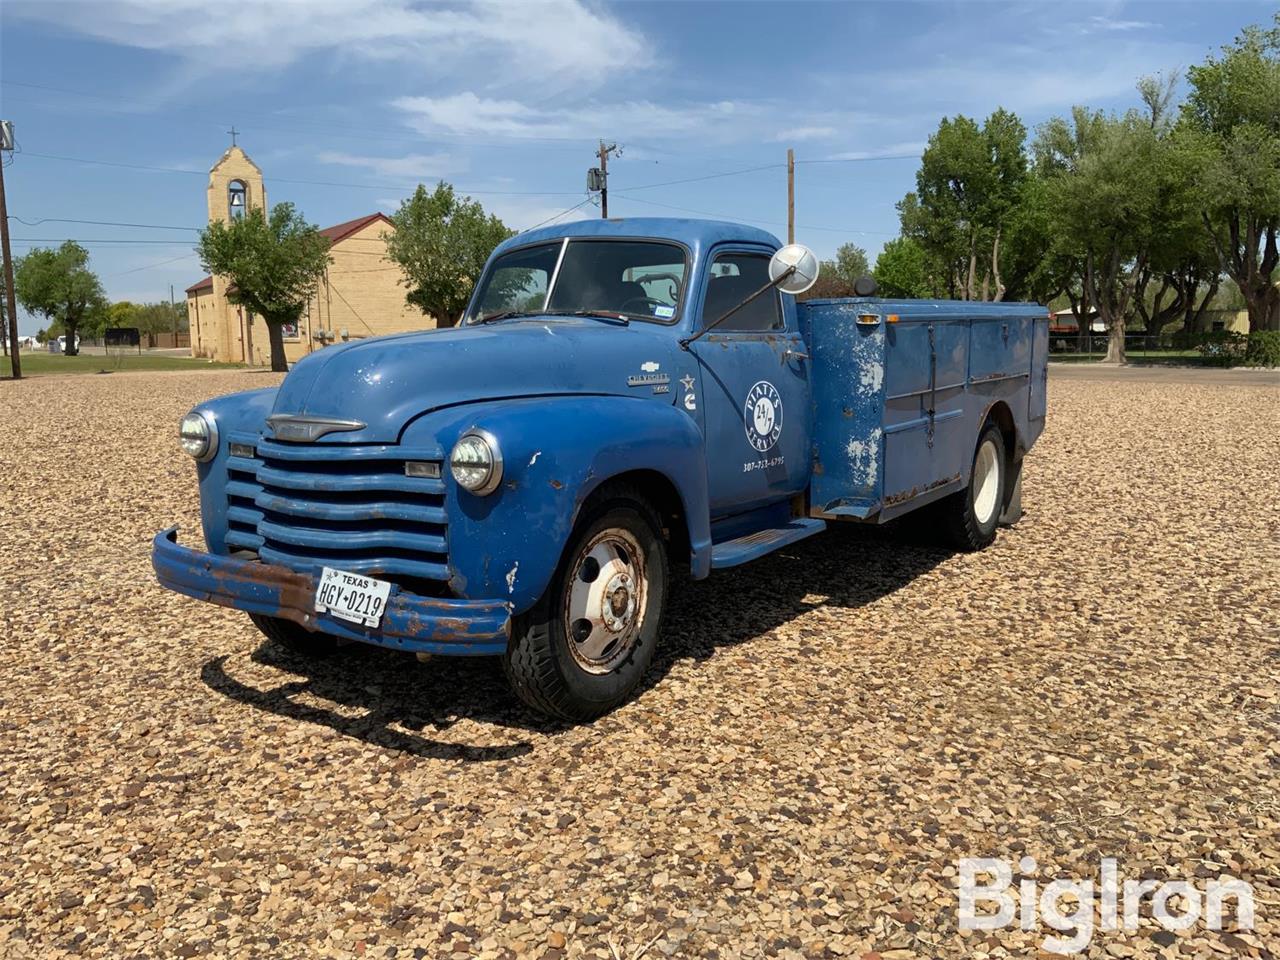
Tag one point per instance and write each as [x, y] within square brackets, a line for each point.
[476, 462]
[198, 435]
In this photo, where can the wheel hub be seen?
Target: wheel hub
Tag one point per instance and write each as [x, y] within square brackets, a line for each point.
[620, 602]
[605, 599]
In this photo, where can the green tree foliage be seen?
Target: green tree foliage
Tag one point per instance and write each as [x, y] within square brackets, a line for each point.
[969, 183]
[149, 318]
[902, 270]
[272, 264]
[442, 241]
[837, 277]
[1231, 129]
[1110, 194]
[59, 286]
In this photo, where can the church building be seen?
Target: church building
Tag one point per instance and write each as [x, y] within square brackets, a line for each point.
[360, 295]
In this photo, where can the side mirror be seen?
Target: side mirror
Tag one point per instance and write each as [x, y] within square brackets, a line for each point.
[804, 275]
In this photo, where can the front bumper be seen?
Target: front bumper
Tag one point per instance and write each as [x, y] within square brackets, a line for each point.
[420, 624]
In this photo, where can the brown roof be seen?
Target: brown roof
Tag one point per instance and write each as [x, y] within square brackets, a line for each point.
[336, 234]
[341, 231]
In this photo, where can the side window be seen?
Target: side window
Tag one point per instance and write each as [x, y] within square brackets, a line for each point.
[733, 278]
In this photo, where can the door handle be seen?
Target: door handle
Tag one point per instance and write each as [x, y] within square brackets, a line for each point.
[798, 354]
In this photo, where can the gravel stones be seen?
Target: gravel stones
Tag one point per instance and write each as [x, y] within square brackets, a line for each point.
[824, 732]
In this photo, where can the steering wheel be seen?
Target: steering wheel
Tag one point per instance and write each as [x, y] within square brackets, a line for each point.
[644, 301]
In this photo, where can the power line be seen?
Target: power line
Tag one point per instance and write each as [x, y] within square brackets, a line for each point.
[404, 187]
[101, 240]
[887, 156]
[709, 176]
[99, 223]
[562, 213]
[771, 223]
[149, 266]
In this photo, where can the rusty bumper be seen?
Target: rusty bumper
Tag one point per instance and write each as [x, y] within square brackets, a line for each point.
[411, 622]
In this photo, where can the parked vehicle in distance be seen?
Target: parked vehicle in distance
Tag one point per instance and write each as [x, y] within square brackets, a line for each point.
[624, 399]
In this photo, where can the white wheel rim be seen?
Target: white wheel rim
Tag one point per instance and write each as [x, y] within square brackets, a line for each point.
[605, 599]
[986, 482]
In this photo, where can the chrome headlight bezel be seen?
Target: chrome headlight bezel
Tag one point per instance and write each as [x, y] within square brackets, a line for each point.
[198, 436]
[477, 475]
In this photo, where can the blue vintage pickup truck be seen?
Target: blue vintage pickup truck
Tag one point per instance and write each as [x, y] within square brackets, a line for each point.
[622, 400]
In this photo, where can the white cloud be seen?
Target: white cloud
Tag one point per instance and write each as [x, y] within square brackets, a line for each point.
[558, 39]
[906, 149]
[1111, 24]
[420, 166]
[806, 133]
[469, 114]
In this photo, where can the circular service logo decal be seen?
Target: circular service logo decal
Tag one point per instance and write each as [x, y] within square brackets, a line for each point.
[762, 415]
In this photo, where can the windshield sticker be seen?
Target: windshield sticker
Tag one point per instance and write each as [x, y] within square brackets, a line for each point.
[762, 416]
[666, 313]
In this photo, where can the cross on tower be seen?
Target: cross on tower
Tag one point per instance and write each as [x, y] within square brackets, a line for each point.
[233, 131]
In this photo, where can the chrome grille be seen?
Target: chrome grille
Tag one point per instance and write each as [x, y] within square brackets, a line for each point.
[304, 506]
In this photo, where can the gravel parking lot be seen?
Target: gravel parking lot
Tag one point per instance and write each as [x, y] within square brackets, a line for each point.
[824, 735]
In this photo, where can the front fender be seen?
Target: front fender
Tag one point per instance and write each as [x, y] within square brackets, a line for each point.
[556, 451]
[236, 413]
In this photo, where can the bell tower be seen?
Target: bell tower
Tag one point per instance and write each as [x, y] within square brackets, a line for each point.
[235, 188]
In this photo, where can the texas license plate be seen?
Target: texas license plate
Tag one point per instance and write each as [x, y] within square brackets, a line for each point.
[352, 596]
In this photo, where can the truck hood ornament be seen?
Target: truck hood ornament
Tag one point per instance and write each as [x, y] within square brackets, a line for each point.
[302, 429]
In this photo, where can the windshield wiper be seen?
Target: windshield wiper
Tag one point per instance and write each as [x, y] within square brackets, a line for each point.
[610, 316]
[501, 315]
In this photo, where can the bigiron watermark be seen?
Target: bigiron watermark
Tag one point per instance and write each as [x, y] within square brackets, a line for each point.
[1175, 904]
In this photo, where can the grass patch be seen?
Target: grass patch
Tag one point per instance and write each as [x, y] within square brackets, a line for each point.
[39, 364]
[1188, 357]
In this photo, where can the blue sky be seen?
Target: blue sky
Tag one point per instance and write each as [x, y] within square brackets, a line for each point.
[347, 105]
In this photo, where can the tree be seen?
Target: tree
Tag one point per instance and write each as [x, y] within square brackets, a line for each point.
[901, 270]
[441, 242]
[837, 277]
[968, 184]
[159, 317]
[1110, 193]
[272, 265]
[58, 285]
[1231, 124]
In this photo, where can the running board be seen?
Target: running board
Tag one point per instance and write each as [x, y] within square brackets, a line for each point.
[731, 553]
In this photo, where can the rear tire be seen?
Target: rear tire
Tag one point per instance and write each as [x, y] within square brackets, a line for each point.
[586, 645]
[294, 637]
[973, 515]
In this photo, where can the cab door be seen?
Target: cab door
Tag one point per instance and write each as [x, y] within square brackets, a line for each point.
[754, 377]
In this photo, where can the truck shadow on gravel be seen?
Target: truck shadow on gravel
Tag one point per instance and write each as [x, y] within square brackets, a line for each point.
[390, 700]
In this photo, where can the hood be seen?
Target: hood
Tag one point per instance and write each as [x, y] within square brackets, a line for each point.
[387, 381]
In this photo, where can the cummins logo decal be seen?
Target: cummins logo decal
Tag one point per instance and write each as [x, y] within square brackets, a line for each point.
[762, 416]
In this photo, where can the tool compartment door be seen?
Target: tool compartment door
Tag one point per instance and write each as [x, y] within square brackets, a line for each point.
[926, 440]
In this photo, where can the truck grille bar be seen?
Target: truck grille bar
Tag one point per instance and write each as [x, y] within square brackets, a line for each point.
[304, 506]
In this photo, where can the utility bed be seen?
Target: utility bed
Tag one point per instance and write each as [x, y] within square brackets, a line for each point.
[899, 387]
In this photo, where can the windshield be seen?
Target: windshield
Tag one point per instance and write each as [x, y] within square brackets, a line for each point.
[639, 279]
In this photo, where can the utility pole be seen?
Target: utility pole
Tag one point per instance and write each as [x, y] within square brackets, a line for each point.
[10, 295]
[173, 306]
[603, 154]
[791, 195]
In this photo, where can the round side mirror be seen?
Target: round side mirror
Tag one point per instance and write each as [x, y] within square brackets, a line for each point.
[800, 257]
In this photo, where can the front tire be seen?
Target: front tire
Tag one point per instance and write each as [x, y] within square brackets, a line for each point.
[586, 645]
[973, 515]
[294, 637]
